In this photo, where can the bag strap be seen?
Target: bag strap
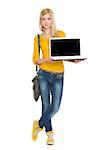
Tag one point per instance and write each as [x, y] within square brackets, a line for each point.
[38, 50]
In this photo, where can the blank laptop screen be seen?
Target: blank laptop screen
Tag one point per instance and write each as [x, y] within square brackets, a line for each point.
[65, 47]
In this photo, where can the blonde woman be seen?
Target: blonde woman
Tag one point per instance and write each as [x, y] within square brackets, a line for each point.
[51, 76]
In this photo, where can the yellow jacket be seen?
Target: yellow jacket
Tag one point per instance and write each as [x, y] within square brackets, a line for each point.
[56, 66]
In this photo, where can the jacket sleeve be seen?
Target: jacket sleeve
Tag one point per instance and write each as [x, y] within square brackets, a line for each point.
[36, 52]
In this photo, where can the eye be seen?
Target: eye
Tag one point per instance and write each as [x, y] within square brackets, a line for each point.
[49, 18]
[43, 19]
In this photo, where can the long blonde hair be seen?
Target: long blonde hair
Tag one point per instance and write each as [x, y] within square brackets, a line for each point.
[53, 26]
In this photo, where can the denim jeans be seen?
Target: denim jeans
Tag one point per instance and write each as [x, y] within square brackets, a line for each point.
[51, 86]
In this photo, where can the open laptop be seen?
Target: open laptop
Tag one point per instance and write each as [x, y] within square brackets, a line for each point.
[62, 48]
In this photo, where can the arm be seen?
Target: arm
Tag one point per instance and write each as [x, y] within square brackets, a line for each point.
[36, 58]
[41, 61]
[36, 52]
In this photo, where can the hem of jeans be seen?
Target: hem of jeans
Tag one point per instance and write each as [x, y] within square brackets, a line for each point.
[48, 131]
[40, 126]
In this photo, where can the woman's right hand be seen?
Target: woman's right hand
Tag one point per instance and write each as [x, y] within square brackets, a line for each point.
[41, 61]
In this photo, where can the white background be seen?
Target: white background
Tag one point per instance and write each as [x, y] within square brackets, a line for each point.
[83, 121]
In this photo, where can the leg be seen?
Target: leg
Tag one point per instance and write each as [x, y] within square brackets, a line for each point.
[56, 89]
[45, 96]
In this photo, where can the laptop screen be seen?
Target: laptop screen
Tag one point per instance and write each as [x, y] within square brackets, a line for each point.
[64, 47]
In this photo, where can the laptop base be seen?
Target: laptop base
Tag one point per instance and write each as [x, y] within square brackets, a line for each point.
[71, 59]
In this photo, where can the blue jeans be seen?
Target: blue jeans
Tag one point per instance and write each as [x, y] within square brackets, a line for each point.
[50, 83]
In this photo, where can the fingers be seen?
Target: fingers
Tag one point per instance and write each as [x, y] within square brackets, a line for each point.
[76, 61]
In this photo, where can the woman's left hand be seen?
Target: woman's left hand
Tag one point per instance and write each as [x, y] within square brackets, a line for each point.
[77, 61]
[74, 61]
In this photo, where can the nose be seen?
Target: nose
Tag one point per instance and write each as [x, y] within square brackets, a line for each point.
[46, 22]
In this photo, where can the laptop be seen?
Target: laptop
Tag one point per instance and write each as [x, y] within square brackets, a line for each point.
[62, 48]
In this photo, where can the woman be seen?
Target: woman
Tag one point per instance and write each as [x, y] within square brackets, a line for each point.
[51, 75]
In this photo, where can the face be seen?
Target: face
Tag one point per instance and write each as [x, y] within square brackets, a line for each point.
[46, 21]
